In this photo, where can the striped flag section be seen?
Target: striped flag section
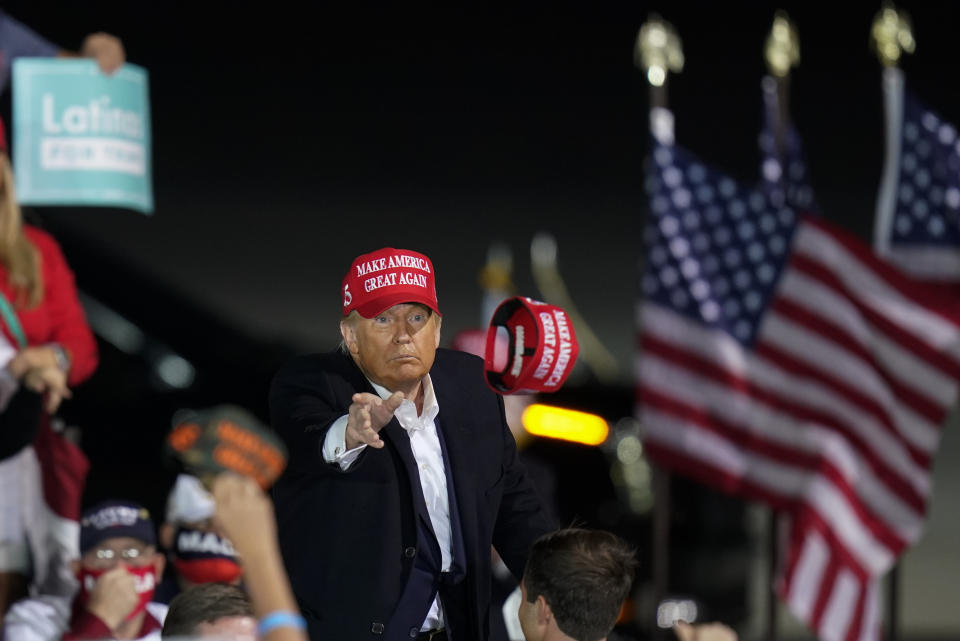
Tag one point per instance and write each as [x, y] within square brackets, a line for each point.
[782, 361]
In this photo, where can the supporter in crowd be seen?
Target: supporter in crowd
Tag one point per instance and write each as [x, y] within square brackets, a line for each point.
[574, 585]
[17, 40]
[198, 551]
[117, 573]
[211, 610]
[45, 343]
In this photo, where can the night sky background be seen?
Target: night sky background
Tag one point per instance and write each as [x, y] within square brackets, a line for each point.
[290, 138]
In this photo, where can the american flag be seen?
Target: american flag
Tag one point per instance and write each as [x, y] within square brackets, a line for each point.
[918, 209]
[782, 361]
[784, 176]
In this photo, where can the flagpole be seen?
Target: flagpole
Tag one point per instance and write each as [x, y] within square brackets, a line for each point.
[773, 605]
[781, 53]
[891, 37]
[658, 52]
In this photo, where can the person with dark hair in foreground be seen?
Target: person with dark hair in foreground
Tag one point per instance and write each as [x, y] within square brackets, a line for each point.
[574, 585]
[211, 610]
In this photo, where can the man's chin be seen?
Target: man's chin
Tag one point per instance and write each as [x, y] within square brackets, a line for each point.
[405, 372]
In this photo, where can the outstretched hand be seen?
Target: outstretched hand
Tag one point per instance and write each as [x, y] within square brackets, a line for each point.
[367, 415]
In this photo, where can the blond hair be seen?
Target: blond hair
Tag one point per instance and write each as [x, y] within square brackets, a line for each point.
[17, 253]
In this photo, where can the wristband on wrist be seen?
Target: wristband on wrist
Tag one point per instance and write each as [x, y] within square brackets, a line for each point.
[60, 355]
[280, 619]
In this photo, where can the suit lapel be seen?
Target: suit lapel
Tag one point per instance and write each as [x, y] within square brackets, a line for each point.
[455, 426]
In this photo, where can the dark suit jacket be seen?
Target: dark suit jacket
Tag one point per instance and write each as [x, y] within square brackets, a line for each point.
[343, 534]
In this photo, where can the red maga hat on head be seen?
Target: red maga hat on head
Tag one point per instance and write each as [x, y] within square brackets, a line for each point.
[387, 277]
[542, 350]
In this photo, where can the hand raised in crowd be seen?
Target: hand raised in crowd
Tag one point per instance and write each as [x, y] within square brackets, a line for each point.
[114, 596]
[245, 513]
[30, 358]
[51, 381]
[107, 50]
[703, 632]
[367, 415]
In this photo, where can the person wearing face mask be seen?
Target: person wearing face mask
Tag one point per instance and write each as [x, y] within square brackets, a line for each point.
[117, 575]
[197, 550]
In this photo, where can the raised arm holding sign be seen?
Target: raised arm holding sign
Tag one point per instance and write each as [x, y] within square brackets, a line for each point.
[18, 40]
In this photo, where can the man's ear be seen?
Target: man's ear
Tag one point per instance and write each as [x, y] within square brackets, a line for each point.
[349, 336]
[75, 566]
[437, 323]
[544, 613]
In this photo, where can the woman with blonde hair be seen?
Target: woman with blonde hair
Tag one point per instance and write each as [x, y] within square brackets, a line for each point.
[45, 346]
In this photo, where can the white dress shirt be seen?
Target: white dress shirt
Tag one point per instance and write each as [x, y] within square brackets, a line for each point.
[428, 454]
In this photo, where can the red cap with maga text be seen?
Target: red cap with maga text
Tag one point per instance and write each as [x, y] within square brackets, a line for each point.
[542, 351]
[387, 277]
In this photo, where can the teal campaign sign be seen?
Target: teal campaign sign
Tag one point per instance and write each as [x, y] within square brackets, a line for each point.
[81, 137]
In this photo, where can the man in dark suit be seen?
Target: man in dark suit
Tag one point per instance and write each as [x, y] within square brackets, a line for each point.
[402, 470]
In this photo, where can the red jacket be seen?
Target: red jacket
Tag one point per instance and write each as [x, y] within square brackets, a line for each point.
[58, 318]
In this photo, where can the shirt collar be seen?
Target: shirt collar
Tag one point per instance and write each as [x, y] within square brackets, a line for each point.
[407, 412]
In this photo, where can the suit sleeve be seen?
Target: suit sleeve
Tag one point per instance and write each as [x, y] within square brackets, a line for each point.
[302, 409]
[521, 518]
[68, 322]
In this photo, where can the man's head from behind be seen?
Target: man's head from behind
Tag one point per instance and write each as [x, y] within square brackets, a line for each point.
[574, 585]
[211, 610]
[391, 324]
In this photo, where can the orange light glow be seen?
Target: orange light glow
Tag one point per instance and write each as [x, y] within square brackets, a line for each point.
[564, 424]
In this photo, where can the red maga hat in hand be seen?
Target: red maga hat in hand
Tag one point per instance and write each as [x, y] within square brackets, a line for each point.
[542, 347]
[387, 277]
